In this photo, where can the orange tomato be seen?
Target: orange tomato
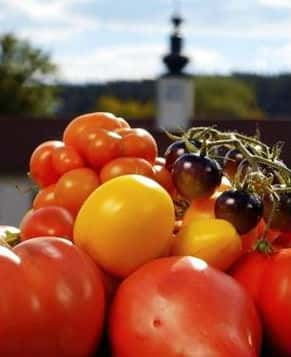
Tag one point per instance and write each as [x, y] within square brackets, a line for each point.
[45, 197]
[66, 158]
[213, 240]
[126, 222]
[97, 120]
[74, 187]
[164, 178]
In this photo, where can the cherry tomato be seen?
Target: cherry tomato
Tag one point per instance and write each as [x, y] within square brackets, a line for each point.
[124, 166]
[41, 167]
[45, 197]
[47, 221]
[115, 226]
[123, 123]
[74, 187]
[99, 146]
[175, 306]
[161, 161]
[139, 143]
[52, 300]
[164, 178]
[97, 120]
[214, 240]
[66, 158]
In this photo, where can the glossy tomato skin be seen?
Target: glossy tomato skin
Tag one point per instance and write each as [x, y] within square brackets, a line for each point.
[74, 187]
[47, 221]
[99, 146]
[41, 166]
[115, 224]
[139, 143]
[66, 158]
[98, 120]
[53, 298]
[164, 178]
[125, 166]
[45, 197]
[177, 307]
[275, 297]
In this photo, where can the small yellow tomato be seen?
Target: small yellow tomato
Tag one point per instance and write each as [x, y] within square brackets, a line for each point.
[125, 223]
[213, 240]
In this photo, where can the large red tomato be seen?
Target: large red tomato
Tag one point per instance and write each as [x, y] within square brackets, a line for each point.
[182, 307]
[47, 221]
[52, 300]
[268, 279]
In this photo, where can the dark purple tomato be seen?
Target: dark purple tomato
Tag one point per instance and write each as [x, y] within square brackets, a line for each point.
[243, 209]
[231, 162]
[177, 149]
[196, 176]
[282, 217]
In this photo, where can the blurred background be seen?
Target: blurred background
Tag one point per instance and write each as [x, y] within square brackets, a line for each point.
[229, 63]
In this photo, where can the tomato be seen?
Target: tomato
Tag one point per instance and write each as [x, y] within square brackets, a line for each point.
[214, 240]
[204, 207]
[52, 300]
[40, 165]
[268, 280]
[248, 271]
[47, 221]
[45, 197]
[9, 235]
[125, 166]
[160, 161]
[175, 306]
[123, 123]
[96, 120]
[283, 241]
[124, 223]
[164, 178]
[99, 146]
[139, 143]
[74, 187]
[66, 158]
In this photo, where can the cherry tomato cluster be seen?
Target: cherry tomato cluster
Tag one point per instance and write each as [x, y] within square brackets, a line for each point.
[94, 149]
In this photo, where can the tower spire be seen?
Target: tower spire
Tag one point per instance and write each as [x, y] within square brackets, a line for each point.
[175, 61]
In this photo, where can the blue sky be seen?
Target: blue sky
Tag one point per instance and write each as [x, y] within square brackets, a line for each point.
[101, 40]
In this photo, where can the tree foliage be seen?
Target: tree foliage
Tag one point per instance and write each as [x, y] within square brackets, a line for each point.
[24, 75]
[225, 97]
[132, 109]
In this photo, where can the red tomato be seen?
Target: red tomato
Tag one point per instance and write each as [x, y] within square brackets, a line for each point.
[52, 302]
[47, 221]
[40, 165]
[182, 307]
[164, 178]
[139, 143]
[283, 241]
[66, 158]
[45, 197]
[268, 279]
[97, 120]
[74, 187]
[99, 146]
[125, 166]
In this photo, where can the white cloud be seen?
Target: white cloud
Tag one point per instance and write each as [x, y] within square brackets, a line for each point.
[111, 63]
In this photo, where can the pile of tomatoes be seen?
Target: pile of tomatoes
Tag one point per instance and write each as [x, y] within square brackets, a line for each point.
[125, 254]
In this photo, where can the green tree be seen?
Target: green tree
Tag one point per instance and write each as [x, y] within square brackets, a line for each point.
[25, 72]
[131, 109]
[225, 97]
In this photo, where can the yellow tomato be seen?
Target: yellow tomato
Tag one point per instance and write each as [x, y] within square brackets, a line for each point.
[124, 223]
[204, 207]
[213, 240]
